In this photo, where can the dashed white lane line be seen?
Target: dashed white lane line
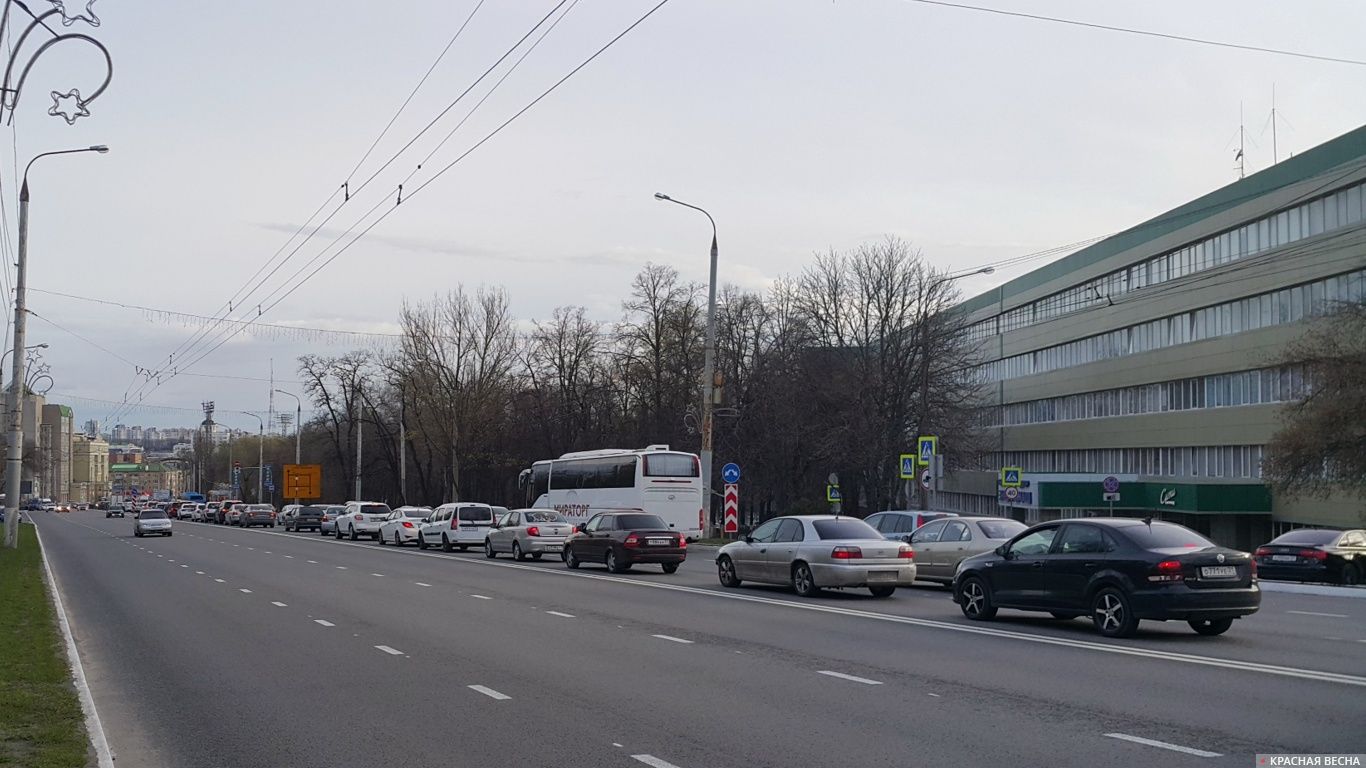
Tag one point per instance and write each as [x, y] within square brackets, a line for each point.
[315, 562]
[324, 622]
[561, 615]
[673, 639]
[481, 597]
[341, 567]
[378, 574]
[421, 584]
[245, 591]
[199, 573]
[253, 549]
[220, 581]
[1163, 745]
[291, 557]
[615, 744]
[184, 566]
[278, 604]
[390, 651]
[169, 560]
[489, 692]
[653, 761]
[1316, 613]
[850, 678]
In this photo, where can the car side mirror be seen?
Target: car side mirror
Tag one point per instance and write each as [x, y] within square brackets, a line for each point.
[906, 538]
[749, 539]
[581, 527]
[1002, 551]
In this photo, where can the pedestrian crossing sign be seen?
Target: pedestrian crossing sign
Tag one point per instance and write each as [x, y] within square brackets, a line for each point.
[832, 493]
[1010, 477]
[908, 466]
[929, 446]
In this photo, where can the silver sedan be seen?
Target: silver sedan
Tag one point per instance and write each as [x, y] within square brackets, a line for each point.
[528, 532]
[812, 552]
[940, 545]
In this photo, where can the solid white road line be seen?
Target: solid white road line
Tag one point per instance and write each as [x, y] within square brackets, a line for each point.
[245, 591]
[1163, 745]
[1316, 613]
[562, 615]
[653, 761]
[277, 603]
[390, 651]
[420, 584]
[103, 755]
[850, 678]
[481, 597]
[673, 639]
[489, 692]
[324, 622]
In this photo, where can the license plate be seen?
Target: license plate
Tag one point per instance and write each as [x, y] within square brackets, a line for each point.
[881, 576]
[660, 542]
[554, 547]
[469, 527]
[1283, 558]
[1218, 572]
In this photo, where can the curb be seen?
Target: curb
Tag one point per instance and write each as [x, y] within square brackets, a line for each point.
[93, 726]
[1322, 590]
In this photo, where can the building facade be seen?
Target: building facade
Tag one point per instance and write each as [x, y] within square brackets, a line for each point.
[89, 469]
[55, 432]
[1148, 362]
[150, 480]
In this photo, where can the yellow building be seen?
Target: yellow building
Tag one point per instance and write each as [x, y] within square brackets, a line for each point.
[89, 469]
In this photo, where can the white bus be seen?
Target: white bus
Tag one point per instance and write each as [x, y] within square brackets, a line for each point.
[655, 480]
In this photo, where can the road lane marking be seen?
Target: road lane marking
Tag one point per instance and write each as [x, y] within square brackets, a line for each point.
[378, 574]
[220, 581]
[421, 584]
[200, 573]
[341, 567]
[390, 651]
[481, 597]
[324, 622]
[278, 604]
[245, 591]
[184, 566]
[170, 560]
[253, 549]
[850, 678]
[939, 624]
[489, 692]
[673, 639]
[653, 761]
[1163, 745]
[315, 562]
[291, 557]
[1316, 613]
[562, 615]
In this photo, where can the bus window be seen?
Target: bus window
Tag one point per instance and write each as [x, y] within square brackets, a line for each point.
[670, 465]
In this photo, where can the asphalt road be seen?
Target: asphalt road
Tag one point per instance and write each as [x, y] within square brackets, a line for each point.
[225, 647]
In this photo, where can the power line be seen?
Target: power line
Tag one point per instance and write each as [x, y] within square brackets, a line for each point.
[1143, 32]
[94, 344]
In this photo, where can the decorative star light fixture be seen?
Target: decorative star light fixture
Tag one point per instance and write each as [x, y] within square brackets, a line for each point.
[70, 105]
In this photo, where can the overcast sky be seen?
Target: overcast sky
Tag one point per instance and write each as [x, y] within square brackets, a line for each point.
[802, 125]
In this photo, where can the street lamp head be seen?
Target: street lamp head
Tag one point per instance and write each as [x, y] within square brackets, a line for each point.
[101, 148]
[40, 346]
[662, 196]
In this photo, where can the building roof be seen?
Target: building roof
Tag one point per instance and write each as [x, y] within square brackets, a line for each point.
[1330, 154]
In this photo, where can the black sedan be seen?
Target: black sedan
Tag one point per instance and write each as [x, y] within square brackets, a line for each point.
[620, 540]
[1117, 571]
[1314, 554]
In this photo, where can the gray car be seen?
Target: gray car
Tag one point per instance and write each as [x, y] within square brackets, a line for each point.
[528, 532]
[940, 545]
[327, 524]
[150, 521]
[812, 552]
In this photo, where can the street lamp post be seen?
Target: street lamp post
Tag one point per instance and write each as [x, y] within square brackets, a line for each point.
[298, 423]
[708, 360]
[925, 364]
[260, 455]
[14, 459]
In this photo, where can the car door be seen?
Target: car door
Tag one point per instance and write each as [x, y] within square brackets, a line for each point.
[1019, 576]
[506, 532]
[779, 554]
[748, 556]
[923, 541]
[589, 546]
[951, 547]
[1080, 552]
[431, 529]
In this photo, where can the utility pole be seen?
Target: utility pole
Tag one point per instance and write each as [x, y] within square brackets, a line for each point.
[1275, 154]
[360, 432]
[14, 459]
[402, 447]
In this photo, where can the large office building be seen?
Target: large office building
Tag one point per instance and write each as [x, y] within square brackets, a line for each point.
[1149, 362]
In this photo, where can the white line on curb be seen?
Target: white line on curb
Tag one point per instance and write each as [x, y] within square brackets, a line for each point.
[489, 692]
[850, 678]
[1163, 745]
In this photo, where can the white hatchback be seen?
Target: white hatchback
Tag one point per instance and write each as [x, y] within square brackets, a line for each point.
[460, 525]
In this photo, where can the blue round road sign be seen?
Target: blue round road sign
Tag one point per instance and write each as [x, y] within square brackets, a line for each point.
[1110, 484]
[731, 473]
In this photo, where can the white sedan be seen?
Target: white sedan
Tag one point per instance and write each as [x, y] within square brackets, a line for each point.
[403, 525]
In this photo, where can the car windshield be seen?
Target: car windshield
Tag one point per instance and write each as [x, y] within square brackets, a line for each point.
[845, 528]
[152, 514]
[543, 516]
[1166, 536]
[1307, 537]
[1000, 529]
[633, 522]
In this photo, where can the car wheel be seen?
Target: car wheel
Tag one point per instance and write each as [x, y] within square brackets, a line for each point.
[488, 550]
[725, 572]
[445, 543]
[272, 525]
[803, 583]
[398, 542]
[1111, 613]
[1350, 575]
[137, 534]
[669, 567]
[974, 600]
[517, 552]
[1063, 615]
[1211, 626]
[381, 540]
[354, 536]
[570, 559]
[168, 533]
[882, 591]
[421, 542]
[614, 563]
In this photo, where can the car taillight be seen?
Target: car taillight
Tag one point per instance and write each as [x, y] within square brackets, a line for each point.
[631, 541]
[407, 524]
[1253, 563]
[360, 518]
[1167, 570]
[1262, 552]
[682, 543]
[1313, 554]
[846, 553]
[906, 552]
[533, 531]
